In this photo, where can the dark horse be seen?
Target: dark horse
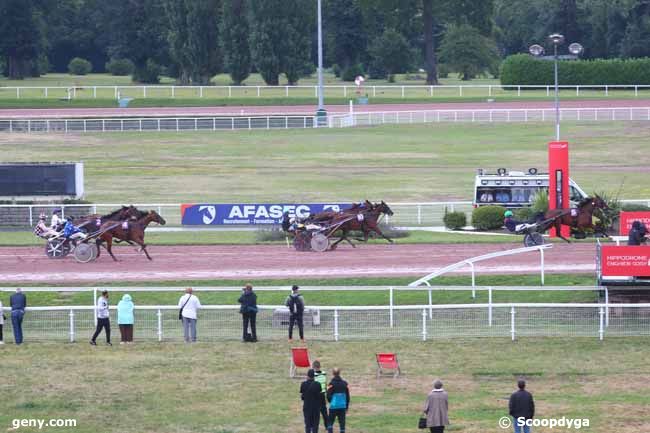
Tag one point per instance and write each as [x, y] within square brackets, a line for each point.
[96, 220]
[580, 218]
[360, 219]
[129, 231]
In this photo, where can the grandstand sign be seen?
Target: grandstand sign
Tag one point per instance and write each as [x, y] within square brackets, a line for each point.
[627, 218]
[41, 180]
[625, 261]
[250, 214]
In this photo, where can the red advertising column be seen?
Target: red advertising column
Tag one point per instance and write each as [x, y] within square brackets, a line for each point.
[558, 179]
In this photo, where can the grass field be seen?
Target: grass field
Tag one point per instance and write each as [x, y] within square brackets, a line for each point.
[234, 387]
[394, 163]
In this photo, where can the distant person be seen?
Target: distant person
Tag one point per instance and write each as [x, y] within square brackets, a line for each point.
[56, 220]
[2, 322]
[125, 319]
[310, 393]
[338, 395]
[103, 319]
[321, 377]
[521, 407]
[42, 230]
[436, 408]
[248, 310]
[296, 305]
[190, 306]
[637, 235]
[487, 197]
[18, 302]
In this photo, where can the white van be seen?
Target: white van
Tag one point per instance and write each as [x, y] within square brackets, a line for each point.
[513, 189]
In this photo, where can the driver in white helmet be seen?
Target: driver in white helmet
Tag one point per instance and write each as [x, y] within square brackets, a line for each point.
[56, 221]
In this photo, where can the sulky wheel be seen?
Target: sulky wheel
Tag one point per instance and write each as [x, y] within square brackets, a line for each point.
[57, 248]
[85, 253]
[319, 242]
[533, 239]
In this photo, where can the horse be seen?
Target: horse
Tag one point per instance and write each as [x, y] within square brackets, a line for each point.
[133, 232]
[583, 218]
[364, 219]
[124, 213]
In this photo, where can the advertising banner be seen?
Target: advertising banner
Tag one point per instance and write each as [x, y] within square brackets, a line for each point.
[625, 261]
[627, 218]
[250, 214]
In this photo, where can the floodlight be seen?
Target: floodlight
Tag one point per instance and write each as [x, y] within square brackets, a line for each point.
[576, 49]
[556, 39]
[536, 50]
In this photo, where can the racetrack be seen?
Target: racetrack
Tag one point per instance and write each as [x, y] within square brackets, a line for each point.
[51, 113]
[237, 262]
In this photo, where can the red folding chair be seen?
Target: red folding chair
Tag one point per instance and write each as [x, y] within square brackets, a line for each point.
[387, 361]
[299, 359]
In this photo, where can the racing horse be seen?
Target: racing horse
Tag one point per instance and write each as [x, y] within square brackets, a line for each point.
[364, 219]
[579, 218]
[124, 213]
[129, 231]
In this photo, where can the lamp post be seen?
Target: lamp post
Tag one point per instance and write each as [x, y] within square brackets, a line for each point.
[320, 112]
[537, 50]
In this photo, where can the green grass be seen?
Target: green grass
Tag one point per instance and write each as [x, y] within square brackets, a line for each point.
[394, 163]
[235, 387]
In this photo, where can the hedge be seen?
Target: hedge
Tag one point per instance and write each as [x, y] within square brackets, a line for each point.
[79, 66]
[488, 217]
[120, 67]
[523, 69]
[454, 220]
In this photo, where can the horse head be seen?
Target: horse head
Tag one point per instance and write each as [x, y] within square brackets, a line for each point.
[134, 212]
[599, 203]
[383, 208]
[155, 217]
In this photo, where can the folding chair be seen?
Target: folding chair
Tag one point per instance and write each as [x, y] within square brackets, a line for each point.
[299, 359]
[387, 361]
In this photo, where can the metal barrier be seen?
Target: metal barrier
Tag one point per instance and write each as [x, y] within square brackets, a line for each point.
[223, 322]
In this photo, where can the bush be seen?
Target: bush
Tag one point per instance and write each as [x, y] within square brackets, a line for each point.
[352, 72]
[539, 201]
[120, 67]
[522, 69]
[524, 214]
[488, 217]
[147, 73]
[454, 220]
[79, 66]
[443, 70]
[336, 70]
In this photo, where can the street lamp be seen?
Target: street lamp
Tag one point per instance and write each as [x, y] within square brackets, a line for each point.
[537, 50]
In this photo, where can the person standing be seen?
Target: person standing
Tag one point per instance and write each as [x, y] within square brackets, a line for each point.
[2, 322]
[296, 305]
[321, 377]
[18, 302]
[338, 395]
[103, 319]
[637, 234]
[125, 319]
[521, 406]
[248, 310]
[190, 306]
[310, 393]
[436, 408]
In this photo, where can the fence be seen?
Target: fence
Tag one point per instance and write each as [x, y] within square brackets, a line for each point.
[309, 91]
[223, 322]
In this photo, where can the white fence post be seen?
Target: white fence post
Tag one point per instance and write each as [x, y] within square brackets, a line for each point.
[95, 305]
[430, 304]
[601, 329]
[490, 306]
[160, 332]
[606, 306]
[390, 302]
[471, 265]
[336, 325]
[512, 323]
[71, 326]
[424, 325]
[541, 259]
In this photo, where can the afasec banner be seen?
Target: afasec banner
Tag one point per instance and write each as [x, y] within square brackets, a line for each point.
[627, 218]
[625, 261]
[226, 214]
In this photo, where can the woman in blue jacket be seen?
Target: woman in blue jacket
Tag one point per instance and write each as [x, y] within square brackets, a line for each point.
[125, 319]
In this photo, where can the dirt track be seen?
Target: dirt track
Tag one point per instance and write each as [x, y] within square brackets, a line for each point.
[252, 262]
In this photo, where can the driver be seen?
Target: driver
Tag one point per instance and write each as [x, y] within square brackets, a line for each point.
[70, 231]
[511, 223]
[56, 219]
[42, 230]
[637, 235]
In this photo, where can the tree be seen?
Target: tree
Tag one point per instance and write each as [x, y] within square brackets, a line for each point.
[466, 51]
[235, 30]
[21, 38]
[636, 42]
[391, 53]
[344, 35]
[430, 61]
[297, 39]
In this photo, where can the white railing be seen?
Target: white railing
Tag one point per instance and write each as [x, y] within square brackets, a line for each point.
[309, 91]
[222, 322]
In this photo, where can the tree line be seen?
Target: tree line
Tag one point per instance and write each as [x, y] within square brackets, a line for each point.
[192, 40]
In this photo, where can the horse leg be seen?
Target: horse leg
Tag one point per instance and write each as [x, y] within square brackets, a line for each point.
[380, 233]
[109, 247]
[98, 243]
[558, 231]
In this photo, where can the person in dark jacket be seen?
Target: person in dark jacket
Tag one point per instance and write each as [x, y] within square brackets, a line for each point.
[521, 407]
[18, 302]
[310, 393]
[296, 305]
[637, 235]
[248, 310]
[338, 395]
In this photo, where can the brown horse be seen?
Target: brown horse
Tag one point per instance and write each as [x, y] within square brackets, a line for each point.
[361, 219]
[93, 222]
[129, 231]
[580, 218]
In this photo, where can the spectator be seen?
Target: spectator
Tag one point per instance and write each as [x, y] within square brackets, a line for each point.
[18, 302]
[190, 306]
[436, 408]
[125, 319]
[637, 235]
[103, 319]
[321, 377]
[248, 310]
[338, 395]
[2, 322]
[296, 305]
[521, 405]
[310, 393]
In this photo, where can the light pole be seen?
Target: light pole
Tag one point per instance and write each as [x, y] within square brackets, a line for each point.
[537, 50]
[321, 107]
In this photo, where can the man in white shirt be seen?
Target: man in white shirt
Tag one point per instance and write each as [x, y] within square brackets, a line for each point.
[56, 219]
[189, 305]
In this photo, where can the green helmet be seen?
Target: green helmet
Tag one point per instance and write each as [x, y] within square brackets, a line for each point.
[508, 214]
